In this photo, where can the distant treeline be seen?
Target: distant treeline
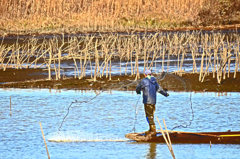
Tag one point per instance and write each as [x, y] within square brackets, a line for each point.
[54, 16]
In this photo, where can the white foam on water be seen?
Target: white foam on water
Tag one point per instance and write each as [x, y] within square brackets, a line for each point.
[81, 136]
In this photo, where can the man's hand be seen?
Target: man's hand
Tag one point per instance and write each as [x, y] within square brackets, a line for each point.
[138, 90]
[164, 93]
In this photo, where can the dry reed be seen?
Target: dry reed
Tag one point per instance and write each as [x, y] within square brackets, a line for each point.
[44, 16]
[217, 53]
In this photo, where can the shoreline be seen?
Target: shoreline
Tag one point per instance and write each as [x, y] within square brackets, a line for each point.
[14, 36]
[36, 78]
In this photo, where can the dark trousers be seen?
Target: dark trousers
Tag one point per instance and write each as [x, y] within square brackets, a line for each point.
[150, 110]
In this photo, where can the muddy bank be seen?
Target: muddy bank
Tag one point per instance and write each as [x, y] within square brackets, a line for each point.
[223, 29]
[37, 78]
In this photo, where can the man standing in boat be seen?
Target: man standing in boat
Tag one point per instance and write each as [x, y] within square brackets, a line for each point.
[150, 87]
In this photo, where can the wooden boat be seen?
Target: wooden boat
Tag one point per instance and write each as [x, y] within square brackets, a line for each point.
[230, 137]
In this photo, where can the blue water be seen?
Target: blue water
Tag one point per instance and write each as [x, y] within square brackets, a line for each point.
[96, 129]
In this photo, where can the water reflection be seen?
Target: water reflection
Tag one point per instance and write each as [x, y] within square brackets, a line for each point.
[152, 151]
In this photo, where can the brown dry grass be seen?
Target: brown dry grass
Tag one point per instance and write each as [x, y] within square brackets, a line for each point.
[54, 16]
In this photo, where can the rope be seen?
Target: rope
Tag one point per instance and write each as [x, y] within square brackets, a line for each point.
[136, 113]
[190, 120]
[158, 78]
[86, 101]
[73, 103]
[186, 89]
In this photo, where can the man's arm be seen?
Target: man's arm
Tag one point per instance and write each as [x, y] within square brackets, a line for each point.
[139, 88]
[161, 91]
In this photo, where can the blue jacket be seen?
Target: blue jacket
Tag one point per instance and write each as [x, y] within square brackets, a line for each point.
[150, 87]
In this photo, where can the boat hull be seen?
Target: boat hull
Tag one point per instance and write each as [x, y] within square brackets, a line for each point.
[190, 137]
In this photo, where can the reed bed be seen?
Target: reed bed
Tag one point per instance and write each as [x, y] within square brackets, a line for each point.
[71, 16]
[96, 54]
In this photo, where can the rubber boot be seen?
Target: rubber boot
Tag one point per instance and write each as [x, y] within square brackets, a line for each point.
[148, 132]
[153, 130]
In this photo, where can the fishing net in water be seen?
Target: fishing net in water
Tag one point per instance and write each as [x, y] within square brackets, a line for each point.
[68, 136]
[81, 136]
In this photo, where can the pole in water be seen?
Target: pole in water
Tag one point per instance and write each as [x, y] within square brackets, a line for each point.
[44, 139]
[10, 107]
[167, 134]
[166, 140]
